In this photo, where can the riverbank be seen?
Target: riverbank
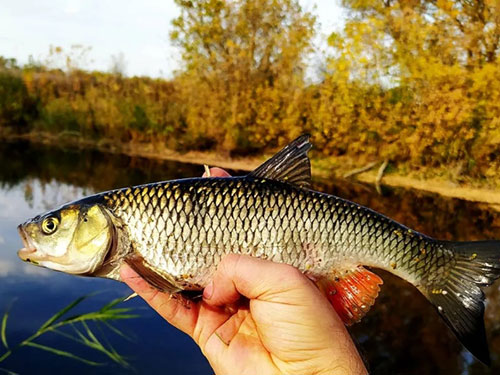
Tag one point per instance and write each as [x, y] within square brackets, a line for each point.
[323, 169]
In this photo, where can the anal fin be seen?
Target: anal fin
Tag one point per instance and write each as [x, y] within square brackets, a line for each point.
[154, 277]
[351, 292]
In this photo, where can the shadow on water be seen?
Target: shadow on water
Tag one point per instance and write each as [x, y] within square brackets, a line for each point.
[86, 168]
[401, 335]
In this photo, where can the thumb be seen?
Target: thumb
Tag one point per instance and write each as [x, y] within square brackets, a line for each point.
[216, 172]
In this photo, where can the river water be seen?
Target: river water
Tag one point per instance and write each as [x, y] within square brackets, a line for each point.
[402, 334]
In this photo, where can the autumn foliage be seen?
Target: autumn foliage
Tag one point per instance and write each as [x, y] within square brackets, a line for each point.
[419, 82]
[412, 81]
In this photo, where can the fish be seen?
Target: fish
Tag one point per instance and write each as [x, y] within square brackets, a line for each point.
[174, 234]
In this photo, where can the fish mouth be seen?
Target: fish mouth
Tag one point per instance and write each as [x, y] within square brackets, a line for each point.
[28, 250]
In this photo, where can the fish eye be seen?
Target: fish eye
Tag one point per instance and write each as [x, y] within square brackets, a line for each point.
[49, 225]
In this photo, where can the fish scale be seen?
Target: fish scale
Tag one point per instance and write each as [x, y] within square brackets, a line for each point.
[277, 221]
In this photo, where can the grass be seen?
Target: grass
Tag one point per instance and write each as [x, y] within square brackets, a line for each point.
[76, 328]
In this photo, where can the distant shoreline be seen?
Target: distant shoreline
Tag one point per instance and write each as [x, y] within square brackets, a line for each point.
[435, 185]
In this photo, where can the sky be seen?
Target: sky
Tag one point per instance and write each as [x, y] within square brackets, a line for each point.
[137, 30]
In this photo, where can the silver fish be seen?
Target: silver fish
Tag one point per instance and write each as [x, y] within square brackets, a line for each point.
[174, 233]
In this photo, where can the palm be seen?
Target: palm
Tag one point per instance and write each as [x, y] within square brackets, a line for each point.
[289, 328]
[260, 337]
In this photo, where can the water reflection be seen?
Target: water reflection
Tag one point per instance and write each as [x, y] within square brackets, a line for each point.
[401, 335]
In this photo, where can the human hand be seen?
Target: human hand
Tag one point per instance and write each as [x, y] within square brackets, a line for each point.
[287, 326]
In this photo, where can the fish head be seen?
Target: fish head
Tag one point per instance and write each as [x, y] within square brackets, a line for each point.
[73, 239]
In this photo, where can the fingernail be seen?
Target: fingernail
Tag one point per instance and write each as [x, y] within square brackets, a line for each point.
[209, 290]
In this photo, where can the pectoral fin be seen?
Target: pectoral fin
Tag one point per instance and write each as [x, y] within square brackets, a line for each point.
[351, 292]
[156, 278]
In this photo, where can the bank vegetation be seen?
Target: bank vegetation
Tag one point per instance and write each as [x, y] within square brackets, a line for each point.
[416, 83]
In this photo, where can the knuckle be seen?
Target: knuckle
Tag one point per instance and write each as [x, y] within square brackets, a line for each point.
[169, 310]
[289, 270]
[150, 294]
[292, 274]
[229, 263]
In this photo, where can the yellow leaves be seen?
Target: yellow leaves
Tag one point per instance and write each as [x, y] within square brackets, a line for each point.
[254, 69]
[230, 44]
[403, 82]
[435, 53]
[28, 80]
[446, 5]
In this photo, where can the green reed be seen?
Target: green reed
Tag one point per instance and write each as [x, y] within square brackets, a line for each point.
[75, 327]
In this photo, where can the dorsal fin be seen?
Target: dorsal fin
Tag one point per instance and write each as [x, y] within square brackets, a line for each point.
[291, 164]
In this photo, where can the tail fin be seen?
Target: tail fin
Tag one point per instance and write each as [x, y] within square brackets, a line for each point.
[460, 301]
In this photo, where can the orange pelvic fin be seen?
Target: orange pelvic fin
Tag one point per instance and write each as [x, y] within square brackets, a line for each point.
[351, 292]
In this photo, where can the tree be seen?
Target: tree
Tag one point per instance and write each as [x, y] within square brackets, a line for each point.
[245, 66]
[118, 64]
[414, 79]
[448, 32]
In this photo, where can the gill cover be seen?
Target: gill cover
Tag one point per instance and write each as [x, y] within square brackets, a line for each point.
[93, 232]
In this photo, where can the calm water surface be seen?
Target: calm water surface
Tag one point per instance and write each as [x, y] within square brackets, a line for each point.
[401, 335]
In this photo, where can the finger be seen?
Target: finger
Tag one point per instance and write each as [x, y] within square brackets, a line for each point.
[231, 326]
[169, 308]
[216, 172]
[199, 320]
[209, 319]
[256, 279]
